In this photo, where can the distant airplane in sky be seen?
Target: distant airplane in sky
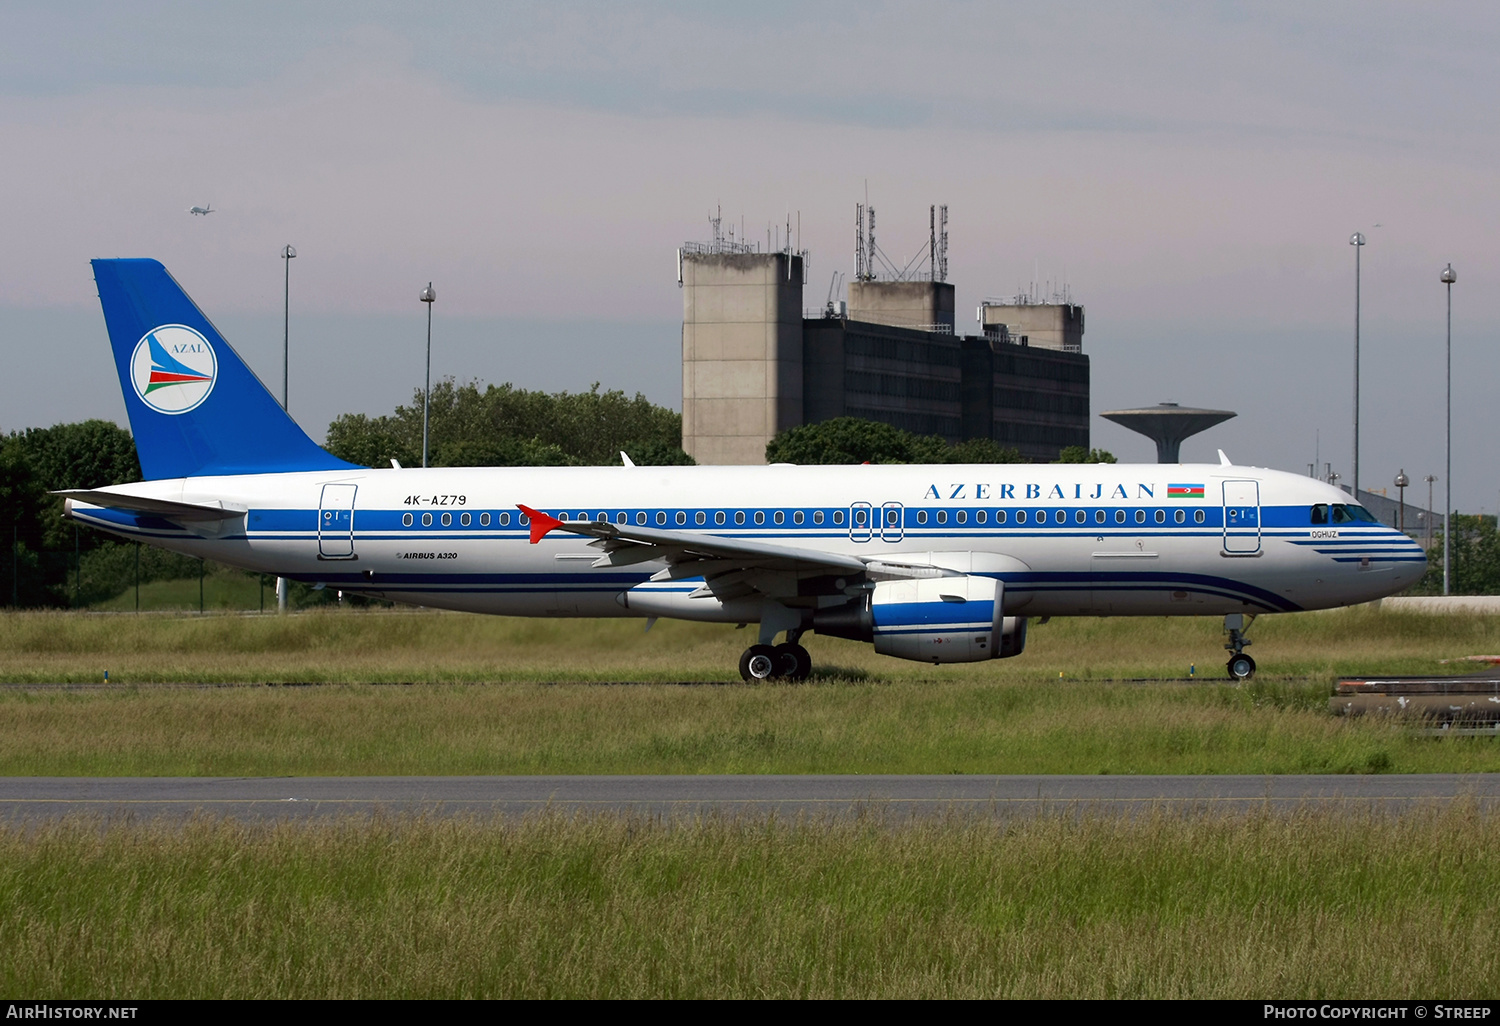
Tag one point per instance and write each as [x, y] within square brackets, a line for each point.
[201, 210]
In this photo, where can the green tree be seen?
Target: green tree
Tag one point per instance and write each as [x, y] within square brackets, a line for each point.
[1475, 559]
[845, 440]
[501, 425]
[1083, 454]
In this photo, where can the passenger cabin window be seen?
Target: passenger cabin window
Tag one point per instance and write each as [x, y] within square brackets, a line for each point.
[942, 516]
[1198, 516]
[838, 517]
[700, 517]
[739, 516]
[779, 517]
[797, 517]
[760, 516]
[719, 517]
[484, 519]
[999, 516]
[1119, 516]
[817, 516]
[980, 516]
[921, 516]
[640, 518]
[960, 516]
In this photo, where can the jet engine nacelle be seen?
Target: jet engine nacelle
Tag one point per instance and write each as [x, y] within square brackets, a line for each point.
[957, 619]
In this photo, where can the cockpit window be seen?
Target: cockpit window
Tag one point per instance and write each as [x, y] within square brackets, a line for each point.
[1347, 513]
[1320, 513]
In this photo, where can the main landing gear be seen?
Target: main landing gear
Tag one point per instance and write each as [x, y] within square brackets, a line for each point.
[1241, 666]
[788, 661]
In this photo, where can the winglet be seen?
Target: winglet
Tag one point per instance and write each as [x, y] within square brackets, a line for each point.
[625, 460]
[1224, 460]
[541, 523]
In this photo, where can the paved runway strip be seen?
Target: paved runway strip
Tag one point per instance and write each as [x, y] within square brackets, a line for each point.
[31, 799]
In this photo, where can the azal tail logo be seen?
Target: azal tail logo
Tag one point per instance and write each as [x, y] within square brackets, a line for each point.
[173, 369]
[1184, 491]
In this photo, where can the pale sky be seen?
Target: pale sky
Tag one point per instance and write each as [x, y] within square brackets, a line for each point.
[1193, 171]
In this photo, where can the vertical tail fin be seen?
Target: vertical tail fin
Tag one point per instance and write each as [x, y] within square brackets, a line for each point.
[195, 408]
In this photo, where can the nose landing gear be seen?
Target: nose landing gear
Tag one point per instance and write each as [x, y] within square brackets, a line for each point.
[1241, 666]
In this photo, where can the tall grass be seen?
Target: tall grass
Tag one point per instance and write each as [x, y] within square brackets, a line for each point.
[1305, 905]
[873, 715]
[397, 646]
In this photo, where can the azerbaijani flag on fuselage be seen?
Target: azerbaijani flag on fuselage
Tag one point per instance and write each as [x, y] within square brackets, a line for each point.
[1184, 491]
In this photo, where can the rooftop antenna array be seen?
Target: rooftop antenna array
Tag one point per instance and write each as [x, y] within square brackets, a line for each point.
[870, 261]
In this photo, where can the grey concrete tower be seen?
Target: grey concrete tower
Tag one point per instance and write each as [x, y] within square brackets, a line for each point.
[1043, 325]
[1168, 424]
[923, 305]
[741, 353]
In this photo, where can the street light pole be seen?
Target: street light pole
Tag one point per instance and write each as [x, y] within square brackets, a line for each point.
[1429, 479]
[1357, 240]
[1449, 277]
[1401, 482]
[428, 296]
[287, 255]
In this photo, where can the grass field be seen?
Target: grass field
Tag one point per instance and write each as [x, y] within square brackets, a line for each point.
[488, 709]
[1307, 905]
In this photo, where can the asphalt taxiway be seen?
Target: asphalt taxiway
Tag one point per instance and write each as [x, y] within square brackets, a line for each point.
[34, 799]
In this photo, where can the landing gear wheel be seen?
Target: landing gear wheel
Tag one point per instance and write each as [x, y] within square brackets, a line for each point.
[758, 663]
[792, 662]
[1241, 667]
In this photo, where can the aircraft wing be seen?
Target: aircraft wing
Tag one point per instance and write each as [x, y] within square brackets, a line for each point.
[729, 566]
[169, 508]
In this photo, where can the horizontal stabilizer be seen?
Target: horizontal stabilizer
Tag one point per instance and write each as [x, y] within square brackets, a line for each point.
[172, 510]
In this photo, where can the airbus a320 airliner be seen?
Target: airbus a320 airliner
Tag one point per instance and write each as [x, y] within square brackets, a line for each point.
[942, 564]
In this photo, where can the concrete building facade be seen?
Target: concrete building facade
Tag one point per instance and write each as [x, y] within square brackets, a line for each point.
[753, 366]
[1043, 325]
[741, 353]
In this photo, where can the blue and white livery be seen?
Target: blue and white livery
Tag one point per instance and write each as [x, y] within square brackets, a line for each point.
[935, 563]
